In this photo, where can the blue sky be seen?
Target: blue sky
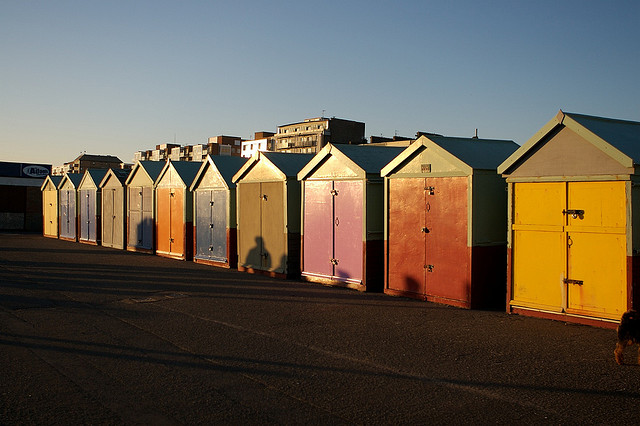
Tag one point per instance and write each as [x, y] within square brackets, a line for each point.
[114, 77]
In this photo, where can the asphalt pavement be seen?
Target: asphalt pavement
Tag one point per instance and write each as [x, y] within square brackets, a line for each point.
[92, 335]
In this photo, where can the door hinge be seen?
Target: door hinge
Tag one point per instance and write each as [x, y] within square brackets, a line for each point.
[576, 282]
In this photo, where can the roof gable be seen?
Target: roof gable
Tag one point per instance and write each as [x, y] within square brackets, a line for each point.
[70, 180]
[218, 171]
[92, 178]
[450, 155]
[178, 173]
[115, 175]
[150, 169]
[618, 140]
[50, 183]
[348, 161]
[265, 165]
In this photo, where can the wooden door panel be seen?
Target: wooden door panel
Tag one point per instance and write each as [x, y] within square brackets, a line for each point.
[348, 230]
[249, 225]
[406, 241]
[274, 255]
[447, 252]
[163, 220]
[597, 266]
[318, 228]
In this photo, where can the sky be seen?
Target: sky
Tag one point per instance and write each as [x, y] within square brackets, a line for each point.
[114, 77]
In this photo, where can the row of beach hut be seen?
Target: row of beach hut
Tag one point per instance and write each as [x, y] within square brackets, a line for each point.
[546, 227]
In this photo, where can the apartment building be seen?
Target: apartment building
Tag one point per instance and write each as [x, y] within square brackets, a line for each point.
[88, 161]
[310, 135]
[262, 141]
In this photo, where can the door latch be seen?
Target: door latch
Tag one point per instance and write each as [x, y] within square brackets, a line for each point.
[334, 192]
[211, 203]
[425, 230]
[211, 225]
[334, 261]
[429, 268]
[574, 213]
[430, 190]
[576, 282]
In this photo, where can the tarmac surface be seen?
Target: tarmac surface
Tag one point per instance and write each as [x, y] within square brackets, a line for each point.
[95, 335]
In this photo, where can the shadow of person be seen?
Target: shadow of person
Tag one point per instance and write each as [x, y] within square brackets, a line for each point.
[258, 256]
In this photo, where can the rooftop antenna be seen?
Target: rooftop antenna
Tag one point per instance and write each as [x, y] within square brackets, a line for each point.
[476, 136]
[323, 113]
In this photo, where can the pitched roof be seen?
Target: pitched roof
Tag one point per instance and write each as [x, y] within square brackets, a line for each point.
[482, 154]
[289, 163]
[467, 154]
[153, 168]
[371, 159]
[74, 178]
[120, 174]
[150, 168]
[226, 165]
[187, 170]
[624, 135]
[55, 181]
[619, 139]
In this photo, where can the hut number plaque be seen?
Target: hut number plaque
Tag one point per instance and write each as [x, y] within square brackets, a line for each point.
[425, 168]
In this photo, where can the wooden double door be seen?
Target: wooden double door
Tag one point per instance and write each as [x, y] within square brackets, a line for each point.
[50, 213]
[170, 219]
[68, 214]
[112, 217]
[428, 254]
[211, 225]
[262, 233]
[140, 214]
[88, 222]
[333, 243]
[569, 248]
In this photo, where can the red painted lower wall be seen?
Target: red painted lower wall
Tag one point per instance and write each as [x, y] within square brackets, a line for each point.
[489, 277]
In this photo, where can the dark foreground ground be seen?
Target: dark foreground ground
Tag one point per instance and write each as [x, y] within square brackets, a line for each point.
[101, 336]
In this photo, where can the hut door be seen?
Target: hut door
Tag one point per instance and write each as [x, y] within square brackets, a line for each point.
[249, 225]
[68, 213]
[219, 223]
[318, 228]
[88, 215]
[596, 249]
[135, 217]
[406, 240]
[445, 233]
[211, 234]
[50, 213]
[107, 216]
[177, 222]
[204, 223]
[117, 238]
[163, 217]
[539, 246]
[569, 247]
[274, 255]
[347, 230]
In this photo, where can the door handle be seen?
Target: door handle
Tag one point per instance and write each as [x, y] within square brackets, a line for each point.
[574, 213]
